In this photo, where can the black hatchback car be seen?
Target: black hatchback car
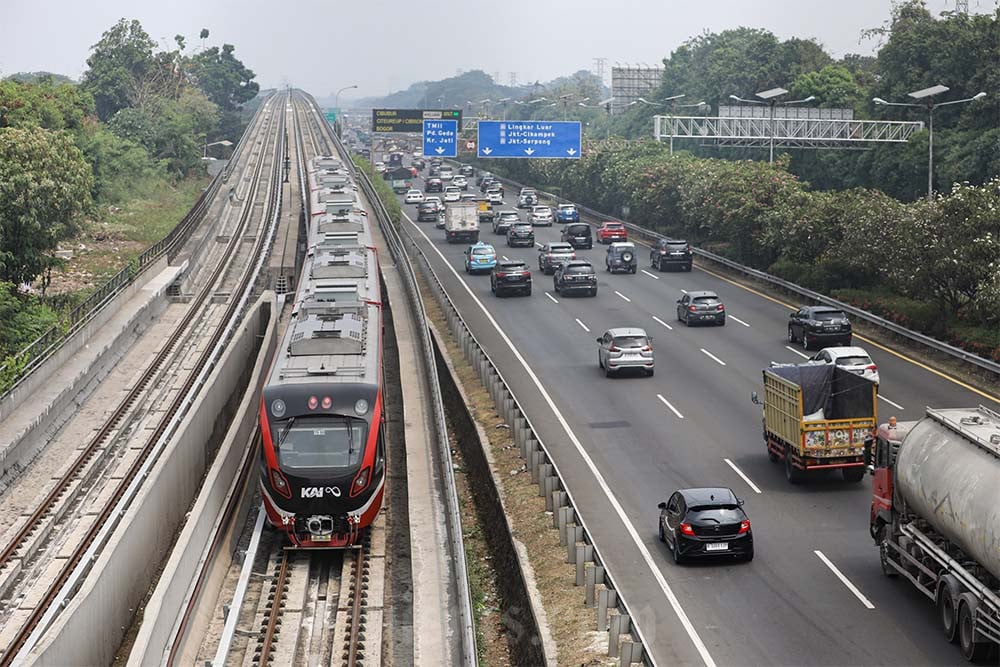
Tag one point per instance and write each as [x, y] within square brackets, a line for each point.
[578, 235]
[427, 212]
[819, 326]
[521, 234]
[666, 253]
[705, 523]
[701, 307]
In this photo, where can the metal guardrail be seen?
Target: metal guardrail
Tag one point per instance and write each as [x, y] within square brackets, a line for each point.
[42, 348]
[409, 279]
[870, 318]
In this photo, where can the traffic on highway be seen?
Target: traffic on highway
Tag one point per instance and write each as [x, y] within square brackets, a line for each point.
[674, 464]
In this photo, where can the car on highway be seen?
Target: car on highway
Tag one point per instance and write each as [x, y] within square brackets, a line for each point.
[434, 171]
[468, 196]
[480, 257]
[666, 253]
[433, 185]
[854, 359]
[427, 212]
[575, 276]
[467, 170]
[419, 164]
[452, 193]
[446, 172]
[527, 199]
[485, 183]
[521, 234]
[541, 216]
[414, 197]
[494, 195]
[567, 213]
[460, 182]
[578, 235]
[701, 307]
[436, 201]
[705, 523]
[380, 167]
[437, 161]
[819, 326]
[483, 175]
[492, 184]
[621, 257]
[609, 232]
[551, 255]
[625, 348]
[510, 276]
[503, 220]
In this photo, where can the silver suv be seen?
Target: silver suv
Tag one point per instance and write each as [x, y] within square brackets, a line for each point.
[626, 347]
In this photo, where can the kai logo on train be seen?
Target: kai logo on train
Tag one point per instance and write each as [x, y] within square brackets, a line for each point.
[320, 491]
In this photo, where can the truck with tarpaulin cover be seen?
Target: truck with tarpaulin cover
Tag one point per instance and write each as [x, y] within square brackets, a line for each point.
[400, 179]
[818, 417]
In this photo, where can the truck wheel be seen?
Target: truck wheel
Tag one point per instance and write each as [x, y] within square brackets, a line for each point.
[972, 650]
[792, 474]
[946, 609]
[853, 475]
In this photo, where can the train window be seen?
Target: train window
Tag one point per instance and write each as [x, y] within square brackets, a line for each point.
[380, 452]
[320, 441]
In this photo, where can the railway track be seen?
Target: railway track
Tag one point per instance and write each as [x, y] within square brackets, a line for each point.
[47, 556]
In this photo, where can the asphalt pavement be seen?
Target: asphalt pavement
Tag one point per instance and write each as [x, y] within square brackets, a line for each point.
[814, 595]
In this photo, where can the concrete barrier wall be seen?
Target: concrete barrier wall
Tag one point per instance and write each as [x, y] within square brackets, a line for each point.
[90, 629]
[193, 546]
[79, 382]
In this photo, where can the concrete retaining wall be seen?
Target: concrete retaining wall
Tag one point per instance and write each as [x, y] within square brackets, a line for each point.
[77, 383]
[91, 628]
[193, 548]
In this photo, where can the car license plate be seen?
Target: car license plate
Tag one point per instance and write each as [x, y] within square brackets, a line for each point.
[321, 538]
[717, 546]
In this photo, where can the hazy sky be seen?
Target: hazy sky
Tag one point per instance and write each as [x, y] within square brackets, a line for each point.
[323, 45]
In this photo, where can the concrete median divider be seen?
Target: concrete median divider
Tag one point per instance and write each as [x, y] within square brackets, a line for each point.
[205, 446]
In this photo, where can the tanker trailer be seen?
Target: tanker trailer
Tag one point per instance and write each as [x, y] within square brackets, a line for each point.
[935, 517]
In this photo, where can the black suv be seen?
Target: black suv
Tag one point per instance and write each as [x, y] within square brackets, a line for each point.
[521, 234]
[578, 235]
[510, 277]
[576, 275]
[427, 212]
[819, 325]
[433, 185]
[671, 252]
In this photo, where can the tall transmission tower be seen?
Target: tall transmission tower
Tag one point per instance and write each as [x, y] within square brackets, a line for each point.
[512, 79]
[962, 6]
[599, 64]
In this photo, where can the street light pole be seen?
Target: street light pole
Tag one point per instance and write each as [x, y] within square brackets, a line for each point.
[336, 105]
[769, 98]
[926, 94]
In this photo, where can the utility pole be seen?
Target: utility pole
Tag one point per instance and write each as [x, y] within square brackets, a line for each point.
[599, 65]
[962, 7]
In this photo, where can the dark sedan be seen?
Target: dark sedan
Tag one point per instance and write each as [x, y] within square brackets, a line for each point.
[819, 326]
[705, 523]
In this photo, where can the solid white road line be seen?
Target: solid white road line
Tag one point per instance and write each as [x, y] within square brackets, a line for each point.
[741, 474]
[650, 274]
[551, 298]
[733, 317]
[844, 580]
[672, 408]
[792, 349]
[626, 522]
[663, 323]
[582, 325]
[623, 296]
[892, 403]
[713, 357]
[685, 291]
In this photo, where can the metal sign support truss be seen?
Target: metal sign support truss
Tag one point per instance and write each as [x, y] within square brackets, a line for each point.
[756, 132]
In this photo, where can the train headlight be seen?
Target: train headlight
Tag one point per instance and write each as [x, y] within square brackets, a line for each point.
[278, 408]
[361, 407]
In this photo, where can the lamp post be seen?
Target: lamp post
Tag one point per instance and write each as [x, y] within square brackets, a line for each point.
[769, 98]
[927, 94]
[671, 104]
[336, 105]
[224, 142]
[503, 101]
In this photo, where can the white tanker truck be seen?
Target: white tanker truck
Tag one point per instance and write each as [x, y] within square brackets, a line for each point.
[935, 517]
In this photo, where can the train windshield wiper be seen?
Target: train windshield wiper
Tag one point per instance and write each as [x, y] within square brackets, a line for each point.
[350, 438]
[285, 431]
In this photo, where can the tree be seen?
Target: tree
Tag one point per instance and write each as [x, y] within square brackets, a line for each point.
[121, 61]
[43, 104]
[44, 190]
[833, 86]
[223, 77]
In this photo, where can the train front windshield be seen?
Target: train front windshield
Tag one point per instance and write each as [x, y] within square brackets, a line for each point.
[320, 441]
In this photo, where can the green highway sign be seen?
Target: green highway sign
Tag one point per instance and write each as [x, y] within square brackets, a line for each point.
[331, 115]
[410, 120]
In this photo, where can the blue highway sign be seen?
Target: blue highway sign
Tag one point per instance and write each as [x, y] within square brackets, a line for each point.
[529, 139]
[440, 138]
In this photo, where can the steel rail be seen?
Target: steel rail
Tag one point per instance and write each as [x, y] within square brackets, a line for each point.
[357, 607]
[28, 630]
[275, 611]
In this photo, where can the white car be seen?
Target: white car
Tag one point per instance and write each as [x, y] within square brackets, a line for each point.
[541, 216]
[853, 359]
[414, 197]
[494, 196]
[452, 193]
[436, 200]
[447, 173]
[460, 181]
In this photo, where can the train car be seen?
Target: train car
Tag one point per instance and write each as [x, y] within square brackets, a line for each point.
[322, 454]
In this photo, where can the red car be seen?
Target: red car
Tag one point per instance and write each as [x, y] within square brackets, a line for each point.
[611, 232]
